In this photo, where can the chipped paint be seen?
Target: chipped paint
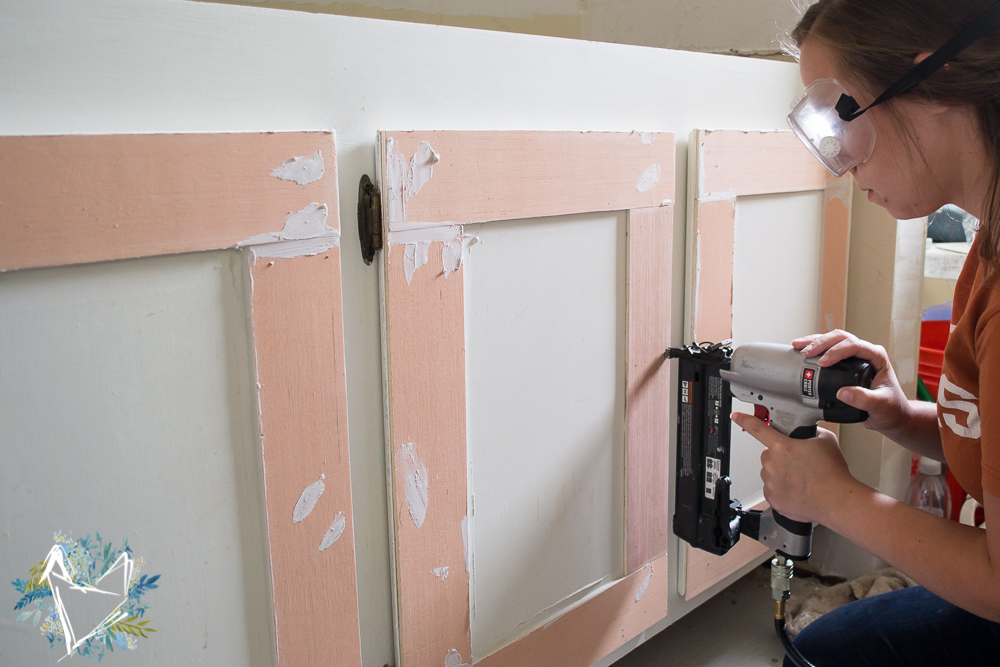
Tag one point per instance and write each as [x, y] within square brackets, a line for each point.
[308, 499]
[302, 170]
[440, 572]
[334, 532]
[415, 483]
[647, 138]
[305, 233]
[644, 585]
[649, 178]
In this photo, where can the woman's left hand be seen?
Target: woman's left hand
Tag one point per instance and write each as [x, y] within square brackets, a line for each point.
[803, 479]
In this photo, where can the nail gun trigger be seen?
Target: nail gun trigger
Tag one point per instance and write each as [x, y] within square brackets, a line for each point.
[761, 413]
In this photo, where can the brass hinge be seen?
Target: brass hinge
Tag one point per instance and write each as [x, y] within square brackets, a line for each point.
[369, 218]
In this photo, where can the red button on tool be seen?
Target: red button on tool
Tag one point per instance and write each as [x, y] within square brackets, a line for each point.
[761, 413]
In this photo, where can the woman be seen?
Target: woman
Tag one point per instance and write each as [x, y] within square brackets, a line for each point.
[937, 143]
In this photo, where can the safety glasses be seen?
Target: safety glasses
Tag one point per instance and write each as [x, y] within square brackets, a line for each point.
[832, 124]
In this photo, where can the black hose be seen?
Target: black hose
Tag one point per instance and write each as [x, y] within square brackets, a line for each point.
[786, 643]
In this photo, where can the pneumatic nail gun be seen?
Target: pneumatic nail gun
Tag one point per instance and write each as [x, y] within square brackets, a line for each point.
[790, 391]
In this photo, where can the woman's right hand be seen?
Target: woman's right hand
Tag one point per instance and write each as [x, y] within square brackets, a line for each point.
[887, 407]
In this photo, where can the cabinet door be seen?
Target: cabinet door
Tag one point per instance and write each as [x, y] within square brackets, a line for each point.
[526, 304]
[214, 435]
[768, 237]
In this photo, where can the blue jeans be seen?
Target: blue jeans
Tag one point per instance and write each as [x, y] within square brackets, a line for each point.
[910, 627]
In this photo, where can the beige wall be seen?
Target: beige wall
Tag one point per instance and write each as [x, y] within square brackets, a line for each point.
[744, 27]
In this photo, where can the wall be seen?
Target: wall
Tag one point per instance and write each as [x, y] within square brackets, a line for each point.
[716, 26]
[123, 66]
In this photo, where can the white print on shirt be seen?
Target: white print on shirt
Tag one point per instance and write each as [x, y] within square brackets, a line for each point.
[971, 430]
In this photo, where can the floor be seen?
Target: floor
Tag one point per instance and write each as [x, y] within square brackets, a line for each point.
[733, 629]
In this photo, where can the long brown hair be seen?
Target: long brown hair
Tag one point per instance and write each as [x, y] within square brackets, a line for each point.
[877, 40]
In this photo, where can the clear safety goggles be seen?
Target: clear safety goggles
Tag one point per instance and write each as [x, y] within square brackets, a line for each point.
[839, 145]
[833, 126]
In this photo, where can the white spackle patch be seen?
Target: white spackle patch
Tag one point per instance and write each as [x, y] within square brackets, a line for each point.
[839, 188]
[334, 532]
[415, 483]
[421, 169]
[440, 572]
[454, 659]
[423, 232]
[647, 138]
[644, 585]
[303, 170]
[415, 255]
[307, 501]
[395, 172]
[465, 543]
[402, 180]
[649, 178]
[451, 256]
[305, 233]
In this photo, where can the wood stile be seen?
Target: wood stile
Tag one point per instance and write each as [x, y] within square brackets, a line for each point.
[724, 165]
[126, 196]
[488, 177]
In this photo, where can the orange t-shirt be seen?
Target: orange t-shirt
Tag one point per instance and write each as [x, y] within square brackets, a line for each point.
[970, 383]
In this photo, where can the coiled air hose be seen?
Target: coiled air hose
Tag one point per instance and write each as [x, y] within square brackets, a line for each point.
[781, 588]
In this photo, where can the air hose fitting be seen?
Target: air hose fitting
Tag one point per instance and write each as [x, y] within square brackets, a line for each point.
[781, 589]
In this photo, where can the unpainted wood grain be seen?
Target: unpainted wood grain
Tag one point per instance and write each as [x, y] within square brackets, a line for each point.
[715, 229]
[836, 246]
[595, 628]
[75, 199]
[299, 343]
[490, 176]
[425, 327]
[736, 163]
[484, 177]
[647, 400]
[729, 164]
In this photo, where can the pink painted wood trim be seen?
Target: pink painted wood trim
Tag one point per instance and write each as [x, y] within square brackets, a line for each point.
[487, 176]
[647, 400]
[425, 328]
[705, 570]
[730, 164]
[714, 233]
[75, 199]
[299, 342]
[594, 629]
[734, 163]
[490, 176]
[836, 246]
